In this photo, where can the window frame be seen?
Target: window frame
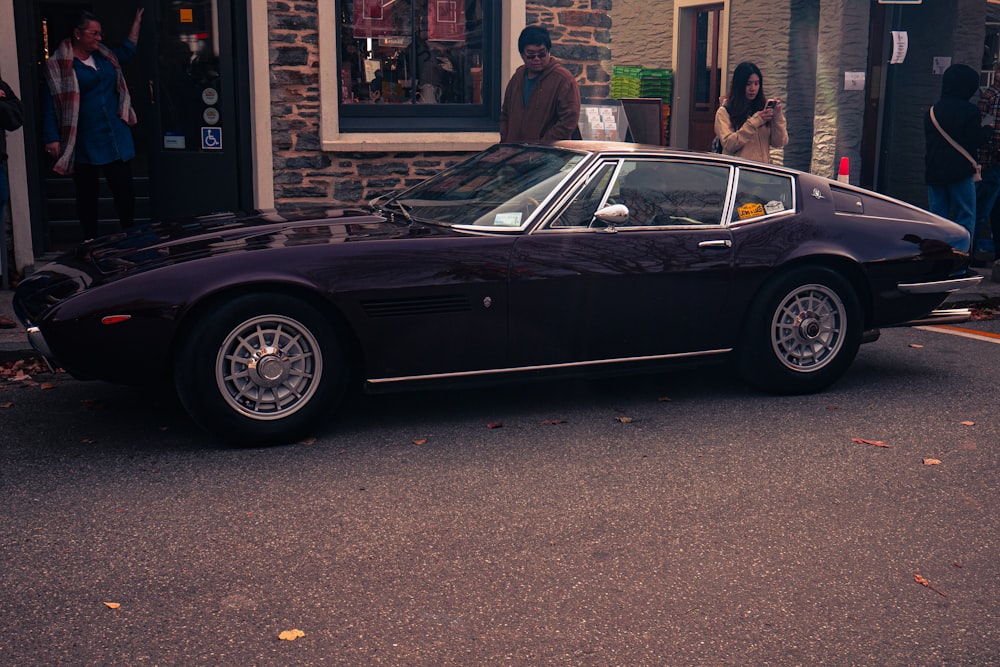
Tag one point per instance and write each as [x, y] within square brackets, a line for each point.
[618, 163]
[792, 180]
[338, 135]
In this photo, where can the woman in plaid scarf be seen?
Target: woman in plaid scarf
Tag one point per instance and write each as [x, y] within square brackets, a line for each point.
[87, 115]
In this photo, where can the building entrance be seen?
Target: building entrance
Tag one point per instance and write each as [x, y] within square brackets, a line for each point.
[188, 86]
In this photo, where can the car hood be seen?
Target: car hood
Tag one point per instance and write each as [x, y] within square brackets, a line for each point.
[159, 244]
[147, 247]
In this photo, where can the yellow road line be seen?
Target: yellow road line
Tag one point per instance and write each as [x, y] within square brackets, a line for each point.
[984, 336]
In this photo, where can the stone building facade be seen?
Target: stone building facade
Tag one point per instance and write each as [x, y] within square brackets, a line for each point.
[805, 48]
[291, 146]
[304, 171]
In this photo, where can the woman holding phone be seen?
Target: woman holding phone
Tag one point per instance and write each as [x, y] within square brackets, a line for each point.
[748, 124]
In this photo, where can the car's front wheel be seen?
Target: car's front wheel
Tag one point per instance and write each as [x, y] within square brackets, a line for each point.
[803, 332]
[259, 370]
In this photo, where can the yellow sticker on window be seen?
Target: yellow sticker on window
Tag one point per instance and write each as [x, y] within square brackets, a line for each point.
[187, 16]
[751, 210]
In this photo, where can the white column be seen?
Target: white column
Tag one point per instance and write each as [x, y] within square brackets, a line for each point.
[17, 173]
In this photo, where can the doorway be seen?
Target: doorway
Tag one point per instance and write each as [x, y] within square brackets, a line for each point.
[705, 75]
[189, 87]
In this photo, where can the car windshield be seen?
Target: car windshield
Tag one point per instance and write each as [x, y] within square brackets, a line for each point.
[498, 188]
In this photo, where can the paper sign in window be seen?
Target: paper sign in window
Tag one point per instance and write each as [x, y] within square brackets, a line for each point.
[446, 21]
[372, 18]
[751, 210]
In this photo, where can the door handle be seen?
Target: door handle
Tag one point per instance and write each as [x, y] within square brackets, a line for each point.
[721, 243]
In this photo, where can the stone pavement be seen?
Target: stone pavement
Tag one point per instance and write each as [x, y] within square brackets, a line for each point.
[14, 342]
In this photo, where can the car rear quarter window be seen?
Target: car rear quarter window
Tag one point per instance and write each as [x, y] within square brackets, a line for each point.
[761, 193]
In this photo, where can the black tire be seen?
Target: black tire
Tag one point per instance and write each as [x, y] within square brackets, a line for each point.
[262, 369]
[803, 331]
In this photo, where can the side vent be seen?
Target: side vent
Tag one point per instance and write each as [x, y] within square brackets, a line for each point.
[422, 305]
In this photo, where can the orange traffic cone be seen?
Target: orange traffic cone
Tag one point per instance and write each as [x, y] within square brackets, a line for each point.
[844, 175]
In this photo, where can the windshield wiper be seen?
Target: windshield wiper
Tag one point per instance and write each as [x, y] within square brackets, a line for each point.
[400, 206]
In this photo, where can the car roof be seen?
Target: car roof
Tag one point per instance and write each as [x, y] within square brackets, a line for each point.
[625, 148]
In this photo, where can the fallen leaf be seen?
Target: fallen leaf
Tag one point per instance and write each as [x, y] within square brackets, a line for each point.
[968, 423]
[916, 346]
[831, 407]
[875, 443]
[88, 441]
[112, 605]
[309, 441]
[932, 462]
[923, 582]
[47, 385]
[494, 425]
[8, 404]
[664, 399]
[624, 420]
[291, 635]
[551, 422]
[421, 441]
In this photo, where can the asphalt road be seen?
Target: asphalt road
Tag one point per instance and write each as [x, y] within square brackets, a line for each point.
[672, 520]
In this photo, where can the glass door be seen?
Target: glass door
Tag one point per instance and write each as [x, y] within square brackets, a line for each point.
[191, 133]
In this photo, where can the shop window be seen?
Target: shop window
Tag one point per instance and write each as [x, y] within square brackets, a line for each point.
[419, 65]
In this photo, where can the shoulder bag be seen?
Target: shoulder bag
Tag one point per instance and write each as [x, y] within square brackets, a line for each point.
[978, 175]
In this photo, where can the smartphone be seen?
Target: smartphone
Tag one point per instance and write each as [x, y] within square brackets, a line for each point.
[770, 104]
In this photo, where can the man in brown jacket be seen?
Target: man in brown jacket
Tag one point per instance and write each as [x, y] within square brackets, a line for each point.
[542, 101]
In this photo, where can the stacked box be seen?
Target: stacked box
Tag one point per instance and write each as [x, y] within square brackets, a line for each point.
[656, 83]
[625, 81]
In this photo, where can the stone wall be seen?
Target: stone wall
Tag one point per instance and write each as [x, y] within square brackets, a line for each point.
[581, 33]
[643, 37]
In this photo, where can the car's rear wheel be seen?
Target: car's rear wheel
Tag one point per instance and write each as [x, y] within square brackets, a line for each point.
[803, 332]
[261, 369]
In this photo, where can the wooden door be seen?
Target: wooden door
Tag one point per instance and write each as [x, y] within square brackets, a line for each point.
[705, 76]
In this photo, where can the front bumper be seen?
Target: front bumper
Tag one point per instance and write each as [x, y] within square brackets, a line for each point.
[37, 341]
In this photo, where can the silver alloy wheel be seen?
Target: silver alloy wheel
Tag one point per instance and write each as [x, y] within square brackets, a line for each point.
[269, 367]
[808, 328]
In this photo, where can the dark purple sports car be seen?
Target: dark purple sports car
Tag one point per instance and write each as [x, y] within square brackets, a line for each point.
[522, 260]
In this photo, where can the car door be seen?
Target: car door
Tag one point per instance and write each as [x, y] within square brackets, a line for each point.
[655, 284]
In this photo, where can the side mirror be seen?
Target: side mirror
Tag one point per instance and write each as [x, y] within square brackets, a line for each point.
[613, 215]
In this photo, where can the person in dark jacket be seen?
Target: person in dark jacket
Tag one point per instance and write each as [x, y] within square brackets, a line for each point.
[542, 101]
[951, 189]
[11, 117]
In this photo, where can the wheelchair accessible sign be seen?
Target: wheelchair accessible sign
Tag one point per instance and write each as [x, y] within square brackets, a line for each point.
[211, 138]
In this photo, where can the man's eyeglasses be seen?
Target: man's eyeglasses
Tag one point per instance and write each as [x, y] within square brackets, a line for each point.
[527, 55]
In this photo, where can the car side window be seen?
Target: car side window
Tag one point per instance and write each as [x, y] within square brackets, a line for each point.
[580, 211]
[760, 193]
[671, 192]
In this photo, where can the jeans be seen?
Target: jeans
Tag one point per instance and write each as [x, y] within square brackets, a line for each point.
[4, 187]
[118, 174]
[4, 198]
[957, 202]
[987, 191]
